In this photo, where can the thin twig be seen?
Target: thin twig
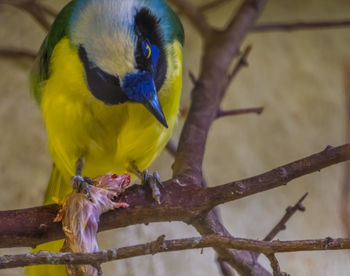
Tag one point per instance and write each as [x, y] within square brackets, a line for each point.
[161, 245]
[281, 225]
[33, 8]
[275, 265]
[17, 53]
[195, 16]
[233, 112]
[300, 26]
[213, 4]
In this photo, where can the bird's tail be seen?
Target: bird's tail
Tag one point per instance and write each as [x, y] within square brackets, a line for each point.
[57, 188]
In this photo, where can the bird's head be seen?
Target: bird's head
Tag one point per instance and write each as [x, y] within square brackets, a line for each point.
[121, 45]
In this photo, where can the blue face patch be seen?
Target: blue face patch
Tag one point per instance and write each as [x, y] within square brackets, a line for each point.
[139, 87]
[155, 56]
[150, 51]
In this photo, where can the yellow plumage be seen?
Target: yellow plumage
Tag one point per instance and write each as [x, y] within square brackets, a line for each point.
[111, 138]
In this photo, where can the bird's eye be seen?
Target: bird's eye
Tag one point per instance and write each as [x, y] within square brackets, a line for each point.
[146, 49]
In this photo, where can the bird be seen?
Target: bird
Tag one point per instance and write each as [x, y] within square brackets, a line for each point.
[107, 80]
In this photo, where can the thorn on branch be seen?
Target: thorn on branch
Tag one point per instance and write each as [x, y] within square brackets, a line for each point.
[242, 62]
[328, 242]
[240, 187]
[192, 77]
[158, 245]
[328, 148]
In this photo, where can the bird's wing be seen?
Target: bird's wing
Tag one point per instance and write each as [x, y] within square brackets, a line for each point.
[41, 72]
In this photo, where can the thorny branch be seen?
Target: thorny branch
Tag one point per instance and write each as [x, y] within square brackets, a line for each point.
[184, 197]
[179, 202]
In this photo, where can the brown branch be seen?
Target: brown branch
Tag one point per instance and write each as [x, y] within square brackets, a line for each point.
[207, 94]
[299, 26]
[17, 53]
[179, 202]
[196, 17]
[209, 90]
[160, 245]
[281, 175]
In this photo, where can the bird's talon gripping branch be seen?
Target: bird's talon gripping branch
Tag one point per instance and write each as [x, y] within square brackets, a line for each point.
[81, 185]
[154, 182]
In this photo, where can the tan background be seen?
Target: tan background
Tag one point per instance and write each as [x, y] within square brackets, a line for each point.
[296, 76]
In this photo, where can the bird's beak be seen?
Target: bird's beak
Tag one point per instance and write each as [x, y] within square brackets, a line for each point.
[139, 87]
[154, 107]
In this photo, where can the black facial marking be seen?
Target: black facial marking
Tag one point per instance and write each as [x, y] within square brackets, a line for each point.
[147, 28]
[102, 85]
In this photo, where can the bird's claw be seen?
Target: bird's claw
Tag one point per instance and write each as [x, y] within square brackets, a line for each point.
[81, 185]
[153, 180]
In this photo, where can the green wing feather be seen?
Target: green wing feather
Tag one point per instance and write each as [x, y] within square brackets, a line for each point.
[41, 70]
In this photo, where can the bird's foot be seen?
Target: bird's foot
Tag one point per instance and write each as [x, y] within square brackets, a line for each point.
[81, 185]
[153, 180]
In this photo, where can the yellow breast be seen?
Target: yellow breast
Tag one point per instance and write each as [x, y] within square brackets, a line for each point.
[109, 137]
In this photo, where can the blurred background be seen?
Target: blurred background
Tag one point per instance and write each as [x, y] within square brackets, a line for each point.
[298, 77]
